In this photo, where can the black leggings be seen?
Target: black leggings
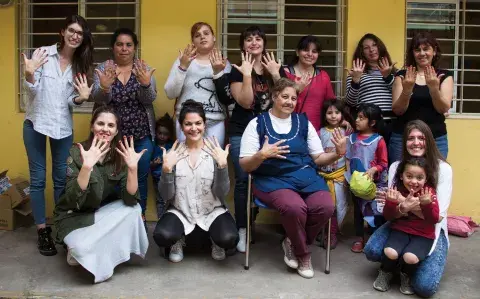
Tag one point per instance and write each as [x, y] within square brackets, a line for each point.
[223, 231]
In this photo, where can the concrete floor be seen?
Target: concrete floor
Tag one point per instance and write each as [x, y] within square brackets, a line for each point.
[24, 273]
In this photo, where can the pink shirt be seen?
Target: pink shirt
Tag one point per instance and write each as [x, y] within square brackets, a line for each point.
[311, 99]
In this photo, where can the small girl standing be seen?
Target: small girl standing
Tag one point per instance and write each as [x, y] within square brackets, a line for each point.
[367, 152]
[333, 117]
[413, 211]
[163, 138]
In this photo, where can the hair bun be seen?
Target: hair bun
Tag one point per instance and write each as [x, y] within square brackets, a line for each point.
[192, 104]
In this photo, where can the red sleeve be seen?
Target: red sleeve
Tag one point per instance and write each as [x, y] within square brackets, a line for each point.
[431, 211]
[329, 94]
[381, 156]
[390, 210]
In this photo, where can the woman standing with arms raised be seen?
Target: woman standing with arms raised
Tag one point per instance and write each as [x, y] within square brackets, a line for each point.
[370, 80]
[422, 91]
[55, 81]
[191, 77]
[250, 85]
[128, 85]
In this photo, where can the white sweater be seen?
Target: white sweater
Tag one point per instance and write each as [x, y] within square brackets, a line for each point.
[196, 84]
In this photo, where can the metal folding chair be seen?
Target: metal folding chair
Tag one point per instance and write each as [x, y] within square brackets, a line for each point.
[251, 200]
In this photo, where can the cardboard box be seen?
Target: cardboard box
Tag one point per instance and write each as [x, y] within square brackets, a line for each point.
[15, 208]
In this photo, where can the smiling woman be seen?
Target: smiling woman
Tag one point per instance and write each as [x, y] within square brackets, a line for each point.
[128, 85]
[91, 221]
[55, 81]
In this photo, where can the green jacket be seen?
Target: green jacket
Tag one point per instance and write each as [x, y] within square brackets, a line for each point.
[75, 208]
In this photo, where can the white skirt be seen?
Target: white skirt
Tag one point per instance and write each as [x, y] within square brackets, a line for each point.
[117, 232]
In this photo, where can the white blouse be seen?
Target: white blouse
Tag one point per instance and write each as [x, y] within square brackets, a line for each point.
[194, 202]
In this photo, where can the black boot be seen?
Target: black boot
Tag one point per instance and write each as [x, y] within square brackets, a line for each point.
[46, 246]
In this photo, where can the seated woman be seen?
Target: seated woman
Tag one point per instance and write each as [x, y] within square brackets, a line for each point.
[99, 229]
[194, 184]
[285, 172]
[418, 141]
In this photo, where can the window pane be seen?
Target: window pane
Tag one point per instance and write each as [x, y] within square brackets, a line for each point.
[110, 10]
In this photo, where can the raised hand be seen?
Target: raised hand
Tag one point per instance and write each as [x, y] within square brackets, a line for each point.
[303, 81]
[269, 63]
[126, 149]
[108, 75]
[171, 158]
[97, 151]
[187, 55]
[358, 66]
[81, 85]
[274, 150]
[141, 71]
[392, 194]
[385, 67]
[425, 196]
[39, 58]
[247, 64]
[431, 78]
[340, 142]
[408, 81]
[217, 61]
[220, 155]
[411, 203]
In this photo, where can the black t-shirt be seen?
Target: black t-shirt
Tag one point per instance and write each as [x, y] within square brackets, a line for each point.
[421, 107]
[262, 102]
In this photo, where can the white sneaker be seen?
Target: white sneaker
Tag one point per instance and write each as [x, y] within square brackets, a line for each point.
[218, 253]
[71, 260]
[305, 268]
[289, 258]
[242, 242]
[176, 251]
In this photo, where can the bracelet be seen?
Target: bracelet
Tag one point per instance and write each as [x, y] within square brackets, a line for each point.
[341, 155]
[182, 69]
[407, 95]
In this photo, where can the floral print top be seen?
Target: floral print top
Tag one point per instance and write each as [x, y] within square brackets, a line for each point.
[129, 108]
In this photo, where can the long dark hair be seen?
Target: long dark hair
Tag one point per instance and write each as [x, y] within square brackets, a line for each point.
[329, 103]
[83, 56]
[382, 50]
[432, 154]
[414, 161]
[303, 45]
[423, 38]
[112, 155]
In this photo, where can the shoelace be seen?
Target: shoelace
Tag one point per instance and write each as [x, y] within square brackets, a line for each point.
[304, 263]
[216, 249]
[288, 245]
[178, 246]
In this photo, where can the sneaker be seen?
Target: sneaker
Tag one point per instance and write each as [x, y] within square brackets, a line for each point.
[382, 283]
[358, 245]
[45, 244]
[242, 242]
[405, 286]
[176, 251]
[290, 259]
[305, 268]
[218, 253]
[71, 260]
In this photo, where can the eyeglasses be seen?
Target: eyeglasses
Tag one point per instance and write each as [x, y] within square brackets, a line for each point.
[72, 31]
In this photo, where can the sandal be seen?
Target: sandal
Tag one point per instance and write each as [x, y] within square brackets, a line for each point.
[357, 246]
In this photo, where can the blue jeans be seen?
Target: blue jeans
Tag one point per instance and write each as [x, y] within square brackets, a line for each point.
[241, 178]
[144, 168]
[36, 147]
[427, 278]
[395, 147]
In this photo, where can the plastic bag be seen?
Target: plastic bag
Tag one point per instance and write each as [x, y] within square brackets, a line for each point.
[462, 226]
[362, 186]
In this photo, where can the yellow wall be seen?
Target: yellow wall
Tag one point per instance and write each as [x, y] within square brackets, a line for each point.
[165, 29]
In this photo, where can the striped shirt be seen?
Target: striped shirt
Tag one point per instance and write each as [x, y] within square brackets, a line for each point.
[372, 88]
